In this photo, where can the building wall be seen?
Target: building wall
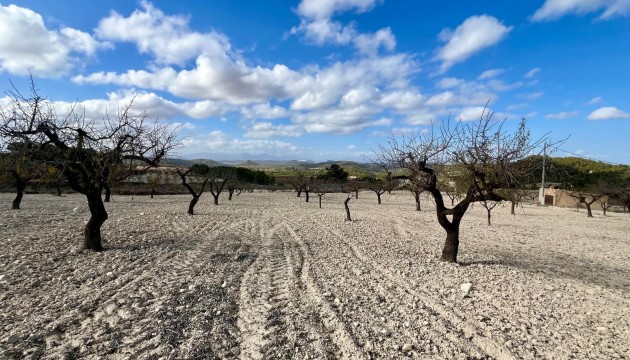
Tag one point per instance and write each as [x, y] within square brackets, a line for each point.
[563, 198]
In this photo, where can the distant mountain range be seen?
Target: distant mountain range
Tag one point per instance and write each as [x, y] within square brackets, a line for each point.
[271, 164]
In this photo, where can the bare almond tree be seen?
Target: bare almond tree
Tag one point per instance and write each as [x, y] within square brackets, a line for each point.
[480, 157]
[196, 195]
[489, 205]
[86, 150]
[587, 199]
[379, 187]
[321, 188]
[416, 191]
[219, 177]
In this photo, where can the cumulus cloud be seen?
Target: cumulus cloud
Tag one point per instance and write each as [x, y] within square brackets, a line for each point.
[155, 106]
[166, 37]
[473, 113]
[267, 130]
[264, 111]
[563, 115]
[607, 113]
[26, 44]
[369, 44]
[554, 9]
[473, 35]
[324, 9]
[318, 27]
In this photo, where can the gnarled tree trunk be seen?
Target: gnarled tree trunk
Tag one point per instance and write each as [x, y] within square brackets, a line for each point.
[108, 192]
[416, 196]
[193, 202]
[20, 186]
[345, 204]
[451, 245]
[98, 217]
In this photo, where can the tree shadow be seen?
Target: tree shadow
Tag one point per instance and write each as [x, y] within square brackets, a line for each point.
[561, 265]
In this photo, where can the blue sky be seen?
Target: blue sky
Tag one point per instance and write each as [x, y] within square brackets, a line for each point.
[332, 79]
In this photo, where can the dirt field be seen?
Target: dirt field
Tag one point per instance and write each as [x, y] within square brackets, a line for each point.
[270, 276]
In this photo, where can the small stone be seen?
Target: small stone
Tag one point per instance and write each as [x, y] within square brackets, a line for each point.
[191, 287]
[465, 287]
[224, 284]
[407, 348]
[601, 329]
[13, 339]
[110, 274]
[2, 277]
[385, 332]
[141, 214]
[406, 324]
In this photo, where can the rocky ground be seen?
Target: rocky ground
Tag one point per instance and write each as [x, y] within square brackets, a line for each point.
[268, 276]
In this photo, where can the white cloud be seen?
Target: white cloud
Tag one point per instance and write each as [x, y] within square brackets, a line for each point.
[167, 38]
[27, 45]
[369, 44]
[608, 112]
[531, 73]
[489, 74]
[449, 82]
[563, 115]
[473, 35]
[554, 9]
[155, 106]
[340, 121]
[267, 130]
[318, 27]
[324, 9]
[219, 142]
[324, 31]
[402, 100]
[264, 111]
[595, 100]
[474, 113]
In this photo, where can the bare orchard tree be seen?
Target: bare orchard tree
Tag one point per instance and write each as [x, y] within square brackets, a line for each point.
[416, 190]
[622, 194]
[355, 186]
[86, 149]
[587, 199]
[154, 179]
[196, 195]
[297, 182]
[489, 205]
[480, 157]
[219, 177]
[321, 188]
[19, 166]
[515, 197]
[379, 187]
[234, 186]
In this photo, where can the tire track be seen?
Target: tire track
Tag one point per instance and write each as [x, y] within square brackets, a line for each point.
[275, 319]
[470, 331]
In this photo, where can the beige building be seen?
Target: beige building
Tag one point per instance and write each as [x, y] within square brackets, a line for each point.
[558, 197]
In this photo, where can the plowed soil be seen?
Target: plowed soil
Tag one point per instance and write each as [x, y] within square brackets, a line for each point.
[269, 276]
